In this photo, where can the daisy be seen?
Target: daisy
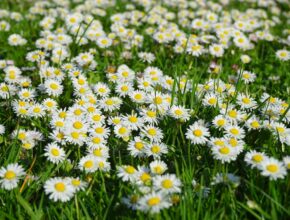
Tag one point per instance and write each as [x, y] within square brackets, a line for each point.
[167, 183]
[283, 55]
[273, 168]
[124, 89]
[149, 116]
[235, 131]
[248, 77]
[36, 110]
[211, 99]
[146, 57]
[54, 153]
[153, 202]
[104, 42]
[138, 96]
[197, 133]
[245, 101]
[157, 167]
[195, 50]
[242, 42]
[245, 58]
[99, 152]
[220, 121]
[143, 176]
[216, 50]
[232, 114]
[136, 147]
[100, 131]
[110, 104]
[153, 133]
[9, 176]
[126, 172]
[179, 113]
[78, 184]
[253, 123]
[59, 189]
[122, 131]
[224, 153]
[255, 158]
[155, 149]
[88, 164]
[131, 201]
[102, 89]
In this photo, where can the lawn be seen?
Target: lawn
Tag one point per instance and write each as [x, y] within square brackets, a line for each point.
[144, 109]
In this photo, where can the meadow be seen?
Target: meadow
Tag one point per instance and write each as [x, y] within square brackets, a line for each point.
[144, 109]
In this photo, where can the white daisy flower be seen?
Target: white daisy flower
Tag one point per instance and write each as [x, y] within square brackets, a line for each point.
[157, 167]
[197, 133]
[88, 164]
[273, 168]
[9, 176]
[179, 112]
[167, 183]
[153, 202]
[54, 153]
[127, 173]
[59, 189]
[255, 158]
[53, 87]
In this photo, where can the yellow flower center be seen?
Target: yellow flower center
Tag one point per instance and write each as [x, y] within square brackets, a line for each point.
[98, 152]
[233, 142]
[224, 150]
[99, 130]
[10, 175]
[36, 110]
[246, 100]
[96, 140]
[152, 131]
[53, 86]
[138, 96]
[220, 122]
[78, 112]
[55, 152]
[139, 145]
[78, 125]
[257, 158]
[130, 169]
[212, 101]
[232, 113]
[75, 135]
[60, 187]
[88, 164]
[255, 124]
[122, 130]
[273, 168]
[234, 131]
[158, 100]
[109, 102]
[178, 112]
[133, 119]
[75, 182]
[197, 133]
[167, 184]
[145, 177]
[153, 201]
[155, 149]
[151, 114]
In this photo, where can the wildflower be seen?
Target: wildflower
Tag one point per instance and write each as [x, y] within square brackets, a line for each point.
[59, 189]
[10, 176]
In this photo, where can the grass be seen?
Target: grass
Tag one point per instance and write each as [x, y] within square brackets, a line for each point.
[256, 197]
